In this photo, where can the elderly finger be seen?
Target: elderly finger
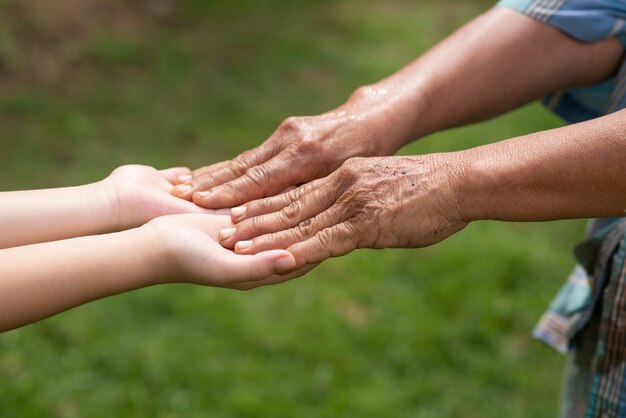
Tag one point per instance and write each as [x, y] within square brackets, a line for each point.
[215, 174]
[308, 206]
[330, 242]
[209, 168]
[241, 162]
[304, 230]
[259, 181]
[184, 188]
[274, 203]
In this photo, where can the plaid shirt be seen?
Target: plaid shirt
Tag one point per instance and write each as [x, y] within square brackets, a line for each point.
[586, 21]
[588, 316]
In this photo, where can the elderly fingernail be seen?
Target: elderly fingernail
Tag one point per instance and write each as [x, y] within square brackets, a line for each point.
[183, 188]
[203, 195]
[238, 211]
[185, 178]
[226, 233]
[243, 245]
[285, 263]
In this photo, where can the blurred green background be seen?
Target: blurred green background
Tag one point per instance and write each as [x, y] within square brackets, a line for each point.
[438, 332]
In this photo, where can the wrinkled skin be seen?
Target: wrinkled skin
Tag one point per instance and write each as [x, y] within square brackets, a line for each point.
[300, 150]
[367, 203]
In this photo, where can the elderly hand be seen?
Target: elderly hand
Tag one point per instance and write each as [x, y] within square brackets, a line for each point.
[367, 203]
[300, 150]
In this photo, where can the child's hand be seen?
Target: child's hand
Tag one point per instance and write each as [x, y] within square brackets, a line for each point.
[188, 250]
[138, 193]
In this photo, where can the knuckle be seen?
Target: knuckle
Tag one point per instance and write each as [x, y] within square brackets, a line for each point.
[292, 123]
[253, 226]
[349, 170]
[296, 128]
[270, 241]
[240, 164]
[260, 206]
[325, 238]
[362, 92]
[291, 213]
[259, 176]
[296, 194]
[204, 181]
[305, 228]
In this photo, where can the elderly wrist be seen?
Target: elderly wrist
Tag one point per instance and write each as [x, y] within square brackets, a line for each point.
[392, 111]
[473, 184]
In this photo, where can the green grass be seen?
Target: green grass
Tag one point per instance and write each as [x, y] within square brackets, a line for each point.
[437, 332]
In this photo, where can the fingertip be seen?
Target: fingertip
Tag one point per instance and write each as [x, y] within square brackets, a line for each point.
[226, 233]
[286, 263]
[200, 198]
[281, 260]
[184, 178]
[213, 199]
[184, 191]
[226, 237]
[237, 213]
[243, 247]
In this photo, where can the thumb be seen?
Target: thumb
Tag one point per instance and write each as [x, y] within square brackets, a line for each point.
[239, 268]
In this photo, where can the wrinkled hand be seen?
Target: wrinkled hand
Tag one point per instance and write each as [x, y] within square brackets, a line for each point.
[300, 150]
[188, 251]
[138, 193]
[366, 203]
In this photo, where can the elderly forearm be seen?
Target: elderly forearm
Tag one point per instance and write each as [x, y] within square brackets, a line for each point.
[493, 64]
[571, 172]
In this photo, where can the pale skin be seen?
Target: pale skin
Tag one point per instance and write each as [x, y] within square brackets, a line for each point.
[493, 64]
[53, 266]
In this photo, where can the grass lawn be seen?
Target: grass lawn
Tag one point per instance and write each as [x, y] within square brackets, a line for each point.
[436, 332]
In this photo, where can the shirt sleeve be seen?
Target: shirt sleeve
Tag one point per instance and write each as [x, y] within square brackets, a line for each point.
[586, 21]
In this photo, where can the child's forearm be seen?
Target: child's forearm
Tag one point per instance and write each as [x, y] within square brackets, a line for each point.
[33, 216]
[37, 281]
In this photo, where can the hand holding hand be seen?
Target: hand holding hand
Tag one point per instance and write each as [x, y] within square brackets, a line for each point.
[366, 203]
[187, 250]
[139, 193]
[300, 150]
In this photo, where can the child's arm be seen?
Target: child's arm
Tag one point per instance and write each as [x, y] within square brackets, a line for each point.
[39, 280]
[129, 197]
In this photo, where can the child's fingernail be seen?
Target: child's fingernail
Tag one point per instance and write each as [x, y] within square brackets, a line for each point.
[243, 245]
[285, 263]
[227, 233]
[238, 211]
[183, 188]
[185, 178]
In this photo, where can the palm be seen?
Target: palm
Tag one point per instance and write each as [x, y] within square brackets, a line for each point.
[143, 193]
[194, 255]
